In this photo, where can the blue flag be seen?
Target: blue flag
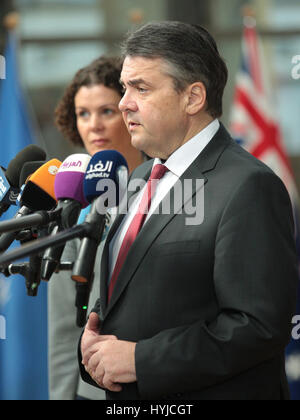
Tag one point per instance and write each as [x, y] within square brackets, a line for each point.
[23, 319]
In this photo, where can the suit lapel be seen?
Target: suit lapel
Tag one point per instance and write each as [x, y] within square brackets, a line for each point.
[206, 162]
[118, 220]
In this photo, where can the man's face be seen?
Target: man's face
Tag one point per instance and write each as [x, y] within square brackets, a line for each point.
[153, 110]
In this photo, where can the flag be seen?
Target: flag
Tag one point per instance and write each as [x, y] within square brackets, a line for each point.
[23, 319]
[255, 127]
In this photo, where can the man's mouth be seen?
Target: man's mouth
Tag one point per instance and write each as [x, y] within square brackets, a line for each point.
[132, 125]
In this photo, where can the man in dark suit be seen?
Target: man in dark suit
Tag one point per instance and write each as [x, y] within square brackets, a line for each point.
[192, 307]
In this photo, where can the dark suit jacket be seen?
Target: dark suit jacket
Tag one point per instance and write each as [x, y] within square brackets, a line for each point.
[210, 306]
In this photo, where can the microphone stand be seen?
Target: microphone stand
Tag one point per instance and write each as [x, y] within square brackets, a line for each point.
[8, 238]
[40, 218]
[91, 230]
[83, 270]
[70, 210]
[40, 245]
[31, 269]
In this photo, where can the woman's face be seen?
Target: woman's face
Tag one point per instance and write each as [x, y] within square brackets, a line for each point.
[100, 122]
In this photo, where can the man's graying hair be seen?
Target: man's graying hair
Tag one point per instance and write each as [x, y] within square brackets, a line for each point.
[190, 52]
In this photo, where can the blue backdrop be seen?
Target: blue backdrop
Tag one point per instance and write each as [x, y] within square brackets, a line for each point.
[23, 347]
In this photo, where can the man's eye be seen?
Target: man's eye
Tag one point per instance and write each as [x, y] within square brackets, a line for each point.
[142, 90]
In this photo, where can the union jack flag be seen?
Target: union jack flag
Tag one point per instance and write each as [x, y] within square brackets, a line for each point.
[255, 127]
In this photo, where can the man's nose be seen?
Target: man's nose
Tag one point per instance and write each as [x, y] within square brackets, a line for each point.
[127, 103]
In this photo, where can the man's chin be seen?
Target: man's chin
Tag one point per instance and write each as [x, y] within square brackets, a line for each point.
[137, 143]
[143, 146]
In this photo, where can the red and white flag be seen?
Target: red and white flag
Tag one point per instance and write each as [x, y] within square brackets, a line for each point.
[254, 125]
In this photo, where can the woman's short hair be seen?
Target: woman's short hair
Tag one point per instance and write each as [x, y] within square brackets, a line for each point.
[189, 51]
[105, 71]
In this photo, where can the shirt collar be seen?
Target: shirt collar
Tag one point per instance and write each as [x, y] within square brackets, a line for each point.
[183, 157]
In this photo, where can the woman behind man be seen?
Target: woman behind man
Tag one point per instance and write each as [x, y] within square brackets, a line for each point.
[88, 116]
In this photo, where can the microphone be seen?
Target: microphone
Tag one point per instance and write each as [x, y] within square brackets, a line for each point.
[9, 179]
[69, 180]
[28, 169]
[106, 169]
[91, 230]
[38, 194]
[8, 193]
[69, 193]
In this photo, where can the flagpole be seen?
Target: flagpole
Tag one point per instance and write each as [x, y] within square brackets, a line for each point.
[249, 16]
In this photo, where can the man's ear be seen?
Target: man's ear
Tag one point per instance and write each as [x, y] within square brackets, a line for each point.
[196, 98]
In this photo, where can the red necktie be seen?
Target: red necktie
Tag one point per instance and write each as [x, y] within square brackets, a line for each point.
[137, 222]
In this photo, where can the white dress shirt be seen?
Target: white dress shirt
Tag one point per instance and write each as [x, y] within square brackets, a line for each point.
[177, 164]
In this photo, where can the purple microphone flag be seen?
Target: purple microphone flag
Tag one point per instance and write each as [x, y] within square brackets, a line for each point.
[69, 178]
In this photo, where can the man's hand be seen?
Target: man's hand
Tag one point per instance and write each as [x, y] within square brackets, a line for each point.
[91, 336]
[112, 362]
[108, 361]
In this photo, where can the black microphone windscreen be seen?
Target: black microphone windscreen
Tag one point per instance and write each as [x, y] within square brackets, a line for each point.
[36, 199]
[28, 169]
[29, 153]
